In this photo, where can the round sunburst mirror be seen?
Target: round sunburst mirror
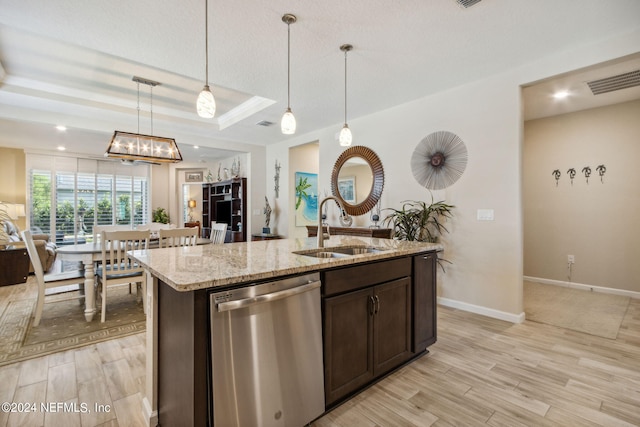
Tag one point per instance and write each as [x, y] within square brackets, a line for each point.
[439, 160]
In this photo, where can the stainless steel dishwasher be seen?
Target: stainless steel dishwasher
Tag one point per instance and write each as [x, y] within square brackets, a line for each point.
[266, 350]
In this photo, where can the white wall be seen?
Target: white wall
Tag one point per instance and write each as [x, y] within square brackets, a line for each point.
[160, 196]
[280, 202]
[303, 158]
[595, 221]
[487, 271]
[14, 179]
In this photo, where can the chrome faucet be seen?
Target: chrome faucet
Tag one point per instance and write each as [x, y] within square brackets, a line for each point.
[320, 231]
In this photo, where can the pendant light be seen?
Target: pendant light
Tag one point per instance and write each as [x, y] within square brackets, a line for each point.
[345, 134]
[206, 104]
[288, 123]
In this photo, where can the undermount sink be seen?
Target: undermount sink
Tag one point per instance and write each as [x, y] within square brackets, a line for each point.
[355, 251]
[322, 254]
[339, 252]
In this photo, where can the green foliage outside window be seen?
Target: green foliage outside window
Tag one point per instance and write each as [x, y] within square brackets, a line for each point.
[160, 215]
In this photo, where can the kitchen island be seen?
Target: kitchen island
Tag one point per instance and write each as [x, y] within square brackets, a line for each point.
[398, 274]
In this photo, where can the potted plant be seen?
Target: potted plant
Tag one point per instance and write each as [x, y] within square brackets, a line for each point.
[160, 215]
[419, 221]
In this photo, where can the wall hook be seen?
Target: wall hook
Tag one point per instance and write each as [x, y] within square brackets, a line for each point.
[556, 174]
[572, 174]
[587, 172]
[601, 171]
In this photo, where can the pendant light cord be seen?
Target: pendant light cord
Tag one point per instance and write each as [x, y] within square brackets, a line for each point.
[138, 83]
[151, 106]
[345, 86]
[288, 66]
[206, 42]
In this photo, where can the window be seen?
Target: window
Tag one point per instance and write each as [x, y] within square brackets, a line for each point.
[40, 209]
[69, 203]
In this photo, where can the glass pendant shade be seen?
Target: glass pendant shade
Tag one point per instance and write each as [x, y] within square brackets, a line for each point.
[345, 136]
[288, 123]
[206, 104]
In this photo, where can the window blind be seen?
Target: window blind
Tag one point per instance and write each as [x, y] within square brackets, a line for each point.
[67, 199]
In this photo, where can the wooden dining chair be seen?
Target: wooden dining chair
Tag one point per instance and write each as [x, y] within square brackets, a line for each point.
[117, 268]
[49, 281]
[98, 229]
[178, 237]
[218, 233]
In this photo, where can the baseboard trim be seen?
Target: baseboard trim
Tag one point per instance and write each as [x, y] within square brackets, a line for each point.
[581, 286]
[489, 312]
[150, 416]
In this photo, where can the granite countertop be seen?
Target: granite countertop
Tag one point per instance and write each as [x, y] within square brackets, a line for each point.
[207, 266]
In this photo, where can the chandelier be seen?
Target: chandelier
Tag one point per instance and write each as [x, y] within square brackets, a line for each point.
[136, 147]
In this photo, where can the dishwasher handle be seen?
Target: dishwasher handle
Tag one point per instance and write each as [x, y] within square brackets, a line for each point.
[274, 296]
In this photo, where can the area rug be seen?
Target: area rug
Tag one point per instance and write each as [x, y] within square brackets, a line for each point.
[593, 313]
[63, 325]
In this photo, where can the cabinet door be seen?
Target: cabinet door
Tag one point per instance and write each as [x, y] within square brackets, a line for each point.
[424, 301]
[392, 324]
[348, 335]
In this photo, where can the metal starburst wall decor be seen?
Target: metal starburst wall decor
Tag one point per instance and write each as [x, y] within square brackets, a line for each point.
[439, 160]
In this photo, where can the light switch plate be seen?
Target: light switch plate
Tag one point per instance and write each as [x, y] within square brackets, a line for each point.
[485, 215]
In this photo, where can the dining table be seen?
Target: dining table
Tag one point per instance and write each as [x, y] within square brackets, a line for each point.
[89, 254]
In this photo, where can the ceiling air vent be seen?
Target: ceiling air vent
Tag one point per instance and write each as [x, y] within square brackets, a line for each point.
[467, 3]
[265, 123]
[609, 84]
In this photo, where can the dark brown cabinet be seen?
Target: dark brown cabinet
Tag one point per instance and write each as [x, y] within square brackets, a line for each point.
[226, 202]
[367, 332]
[348, 339]
[424, 301]
[14, 266]
[392, 325]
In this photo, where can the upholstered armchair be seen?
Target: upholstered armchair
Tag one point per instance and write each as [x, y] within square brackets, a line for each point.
[46, 249]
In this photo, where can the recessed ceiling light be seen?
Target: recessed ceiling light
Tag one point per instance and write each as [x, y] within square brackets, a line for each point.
[561, 94]
[61, 148]
[61, 128]
[195, 147]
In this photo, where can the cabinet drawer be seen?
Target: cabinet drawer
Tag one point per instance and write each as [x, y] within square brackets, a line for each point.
[360, 276]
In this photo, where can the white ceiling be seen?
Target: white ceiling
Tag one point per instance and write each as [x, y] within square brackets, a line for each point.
[71, 62]
[539, 101]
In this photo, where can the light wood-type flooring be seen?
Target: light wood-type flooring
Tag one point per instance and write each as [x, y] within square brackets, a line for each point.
[481, 371]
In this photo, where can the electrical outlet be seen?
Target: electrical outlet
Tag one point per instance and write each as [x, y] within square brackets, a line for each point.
[571, 259]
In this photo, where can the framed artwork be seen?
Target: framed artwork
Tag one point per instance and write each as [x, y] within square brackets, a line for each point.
[306, 198]
[193, 176]
[347, 189]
